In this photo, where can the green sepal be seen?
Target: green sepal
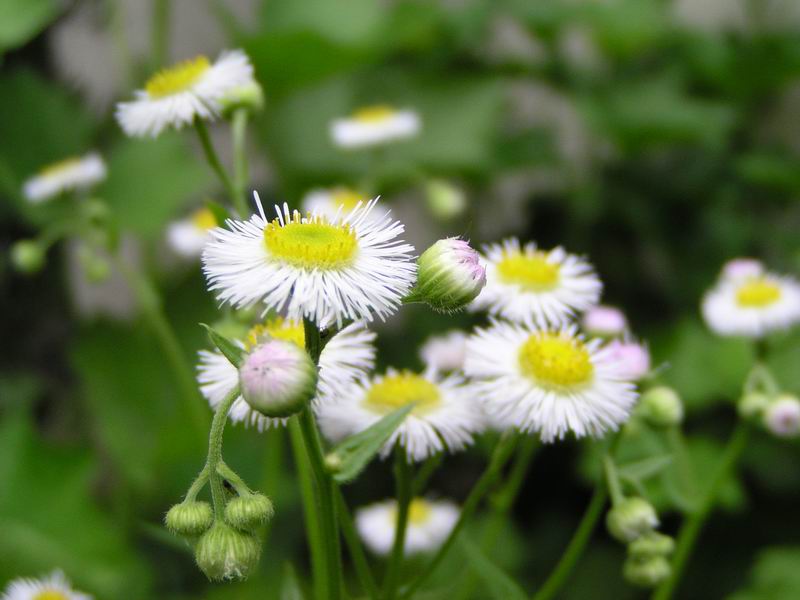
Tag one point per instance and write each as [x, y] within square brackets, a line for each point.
[229, 349]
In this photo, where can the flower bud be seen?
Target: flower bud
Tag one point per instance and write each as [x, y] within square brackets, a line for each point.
[249, 96]
[450, 276]
[248, 512]
[631, 358]
[604, 321]
[661, 407]
[27, 256]
[782, 416]
[189, 518]
[742, 268]
[631, 518]
[651, 544]
[445, 200]
[646, 572]
[753, 404]
[278, 378]
[224, 553]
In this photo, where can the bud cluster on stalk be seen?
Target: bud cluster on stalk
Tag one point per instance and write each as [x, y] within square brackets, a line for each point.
[778, 413]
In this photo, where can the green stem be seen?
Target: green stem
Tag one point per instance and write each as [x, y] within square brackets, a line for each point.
[502, 452]
[403, 480]
[160, 32]
[425, 473]
[612, 479]
[213, 159]
[360, 563]
[240, 169]
[215, 451]
[576, 546]
[691, 528]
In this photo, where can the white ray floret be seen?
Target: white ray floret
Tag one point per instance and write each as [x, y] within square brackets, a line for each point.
[65, 176]
[176, 96]
[374, 125]
[346, 357]
[445, 418]
[332, 202]
[445, 352]
[350, 267]
[548, 381]
[525, 284]
[52, 587]
[752, 305]
[429, 524]
[187, 237]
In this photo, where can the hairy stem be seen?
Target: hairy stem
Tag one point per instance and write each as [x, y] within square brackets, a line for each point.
[215, 452]
[213, 160]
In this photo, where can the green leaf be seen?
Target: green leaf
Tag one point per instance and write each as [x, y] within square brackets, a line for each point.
[354, 453]
[21, 20]
[775, 576]
[232, 352]
[642, 469]
[498, 583]
[290, 585]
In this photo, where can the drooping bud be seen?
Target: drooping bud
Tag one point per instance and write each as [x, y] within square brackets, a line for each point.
[249, 96]
[604, 321]
[449, 276]
[631, 518]
[445, 200]
[646, 572]
[650, 544]
[661, 407]
[27, 256]
[189, 518]
[632, 359]
[225, 553]
[278, 378]
[753, 404]
[248, 512]
[782, 416]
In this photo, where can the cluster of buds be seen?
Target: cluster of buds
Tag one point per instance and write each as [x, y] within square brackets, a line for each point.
[633, 521]
[778, 413]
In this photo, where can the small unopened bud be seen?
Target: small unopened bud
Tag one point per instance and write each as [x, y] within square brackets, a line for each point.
[333, 462]
[449, 276]
[632, 359]
[248, 512]
[650, 544]
[646, 572]
[753, 404]
[631, 518]
[782, 416]
[249, 96]
[445, 200]
[27, 256]
[742, 268]
[189, 518]
[604, 321]
[225, 553]
[661, 407]
[278, 378]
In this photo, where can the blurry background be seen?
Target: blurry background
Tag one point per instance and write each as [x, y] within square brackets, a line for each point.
[658, 137]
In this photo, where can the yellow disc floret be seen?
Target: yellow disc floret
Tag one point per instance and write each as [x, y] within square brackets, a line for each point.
[346, 198]
[177, 78]
[50, 595]
[758, 293]
[556, 360]
[204, 219]
[419, 511]
[374, 114]
[276, 328]
[533, 272]
[311, 244]
[401, 389]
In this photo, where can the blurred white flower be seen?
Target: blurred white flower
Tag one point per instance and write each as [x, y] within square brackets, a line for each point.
[445, 352]
[67, 175]
[52, 587]
[336, 201]
[188, 237]
[373, 126]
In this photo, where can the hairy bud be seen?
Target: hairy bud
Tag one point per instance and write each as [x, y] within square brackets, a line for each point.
[189, 518]
[661, 407]
[646, 572]
[449, 276]
[248, 512]
[631, 518]
[223, 553]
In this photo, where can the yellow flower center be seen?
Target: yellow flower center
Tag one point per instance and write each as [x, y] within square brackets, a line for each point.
[177, 78]
[347, 198]
[531, 272]
[277, 328]
[419, 511]
[556, 360]
[204, 219]
[58, 167]
[757, 293]
[396, 391]
[374, 114]
[311, 245]
[50, 595]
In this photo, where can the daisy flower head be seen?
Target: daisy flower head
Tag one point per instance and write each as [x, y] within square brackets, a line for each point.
[188, 236]
[348, 355]
[52, 587]
[445, 416]
[310, 266]
[526, 284]
[445, 352]
[752, 305]
[177, 95]
[331, 202]
[429, 524]
[373, 126]
[77, 173]
[548, 380]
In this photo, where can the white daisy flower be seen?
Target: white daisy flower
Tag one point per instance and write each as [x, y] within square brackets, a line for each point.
[52, 587]
[332, 202]
[348, 355]
[429, 524]
[77, 173]
[327, 270]
[374, 125]
[525, 284]
[188, 237]
[176, 96]
[752, 306]
[548, 380]
[445, 416]
[445, 352]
